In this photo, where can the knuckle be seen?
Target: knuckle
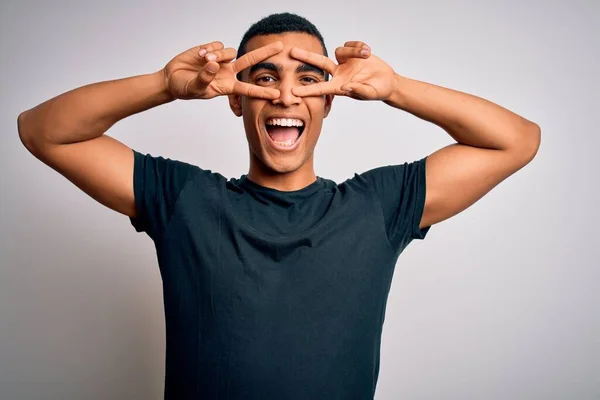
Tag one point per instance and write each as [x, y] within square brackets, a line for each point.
[324, 64]
[274, 47]
[256, 55]
[204, 78]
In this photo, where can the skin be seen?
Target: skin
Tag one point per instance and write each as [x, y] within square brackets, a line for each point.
[269, 166]
[67, 132]
[492, 142]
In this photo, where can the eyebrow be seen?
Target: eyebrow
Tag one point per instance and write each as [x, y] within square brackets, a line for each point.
[278, 68]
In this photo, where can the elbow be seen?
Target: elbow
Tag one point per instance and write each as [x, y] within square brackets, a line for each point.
[530, 143]
[22, 130]
[25, 132]
[534, 140]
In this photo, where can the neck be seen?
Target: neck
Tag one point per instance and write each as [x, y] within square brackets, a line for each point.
[283, 181]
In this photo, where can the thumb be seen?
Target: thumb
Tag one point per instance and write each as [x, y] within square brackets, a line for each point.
[207, 73]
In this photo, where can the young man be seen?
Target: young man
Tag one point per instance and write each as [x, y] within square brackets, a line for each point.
[275, 284]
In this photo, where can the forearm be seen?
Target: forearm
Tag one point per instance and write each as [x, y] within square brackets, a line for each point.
[87, 112]
[468, 119]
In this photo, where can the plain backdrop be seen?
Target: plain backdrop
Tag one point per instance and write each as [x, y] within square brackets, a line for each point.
[500, 302]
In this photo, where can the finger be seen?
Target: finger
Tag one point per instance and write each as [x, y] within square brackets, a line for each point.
[207, 74]
[254, 57]
[357, 44]
[224, 55]
[246, 89]
[342, 54]
[317, 89]
[318, 60]
[207, 48]
[360, 91]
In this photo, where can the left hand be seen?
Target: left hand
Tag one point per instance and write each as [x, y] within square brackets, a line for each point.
[358, 74]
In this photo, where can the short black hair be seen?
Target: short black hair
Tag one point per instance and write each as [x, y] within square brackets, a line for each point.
[278, 24]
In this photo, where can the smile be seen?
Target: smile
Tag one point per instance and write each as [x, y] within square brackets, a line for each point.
[284, 133]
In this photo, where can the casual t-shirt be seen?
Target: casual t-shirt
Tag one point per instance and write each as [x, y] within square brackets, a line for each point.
[271, 294]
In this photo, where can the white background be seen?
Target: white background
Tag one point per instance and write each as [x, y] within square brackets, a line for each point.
[500, 302]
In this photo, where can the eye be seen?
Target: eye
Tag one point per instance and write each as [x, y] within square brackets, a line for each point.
[309, 79]
[265, 79]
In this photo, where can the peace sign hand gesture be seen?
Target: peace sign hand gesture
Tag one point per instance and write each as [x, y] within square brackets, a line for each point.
[207, 71]
[358, 74]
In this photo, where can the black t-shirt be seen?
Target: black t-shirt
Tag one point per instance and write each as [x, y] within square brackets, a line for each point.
[271, 294]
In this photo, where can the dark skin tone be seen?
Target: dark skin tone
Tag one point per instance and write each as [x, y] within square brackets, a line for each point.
[492, 142]
[269, 166]
[67, 132]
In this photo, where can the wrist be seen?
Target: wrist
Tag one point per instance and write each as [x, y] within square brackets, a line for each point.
[162, 84]
[398, 96]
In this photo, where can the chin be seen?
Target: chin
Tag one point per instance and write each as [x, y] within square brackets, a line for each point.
[282, 167]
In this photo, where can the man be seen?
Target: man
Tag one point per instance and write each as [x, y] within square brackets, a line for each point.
[275, 284]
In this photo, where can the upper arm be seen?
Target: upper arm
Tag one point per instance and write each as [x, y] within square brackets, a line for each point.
[459, 175]
[101, 167]
[400, 193]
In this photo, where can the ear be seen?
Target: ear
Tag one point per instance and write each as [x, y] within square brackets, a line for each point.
[328, 101]
[235, 102]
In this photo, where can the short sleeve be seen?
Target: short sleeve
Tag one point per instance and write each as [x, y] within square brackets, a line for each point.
[157, 184]
[401, 192]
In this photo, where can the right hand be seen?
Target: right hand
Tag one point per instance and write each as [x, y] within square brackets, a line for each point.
[191, 75]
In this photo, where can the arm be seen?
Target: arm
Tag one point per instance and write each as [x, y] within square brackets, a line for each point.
[67, 132]
[492, 144]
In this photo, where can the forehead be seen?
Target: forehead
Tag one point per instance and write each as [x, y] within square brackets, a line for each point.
[289, 40]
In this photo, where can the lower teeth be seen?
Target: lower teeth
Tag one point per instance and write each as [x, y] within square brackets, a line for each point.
[285, 144]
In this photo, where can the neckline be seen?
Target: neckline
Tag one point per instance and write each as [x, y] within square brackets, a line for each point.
[244, 181]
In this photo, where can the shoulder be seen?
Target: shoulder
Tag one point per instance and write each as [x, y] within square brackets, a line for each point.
[166, 167]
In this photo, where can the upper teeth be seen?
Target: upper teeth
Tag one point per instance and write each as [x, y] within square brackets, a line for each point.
[285, 122]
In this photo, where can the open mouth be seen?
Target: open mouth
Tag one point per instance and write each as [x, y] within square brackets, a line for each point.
[284, 132]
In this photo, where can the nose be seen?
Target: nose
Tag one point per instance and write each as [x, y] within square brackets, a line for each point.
[286, 97]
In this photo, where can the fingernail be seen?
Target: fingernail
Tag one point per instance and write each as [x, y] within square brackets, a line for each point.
[364, 53]
[211, 57]
[202, 52]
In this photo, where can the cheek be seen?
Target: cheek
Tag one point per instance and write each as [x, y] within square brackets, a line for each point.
[316, 107]
[250, 113]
